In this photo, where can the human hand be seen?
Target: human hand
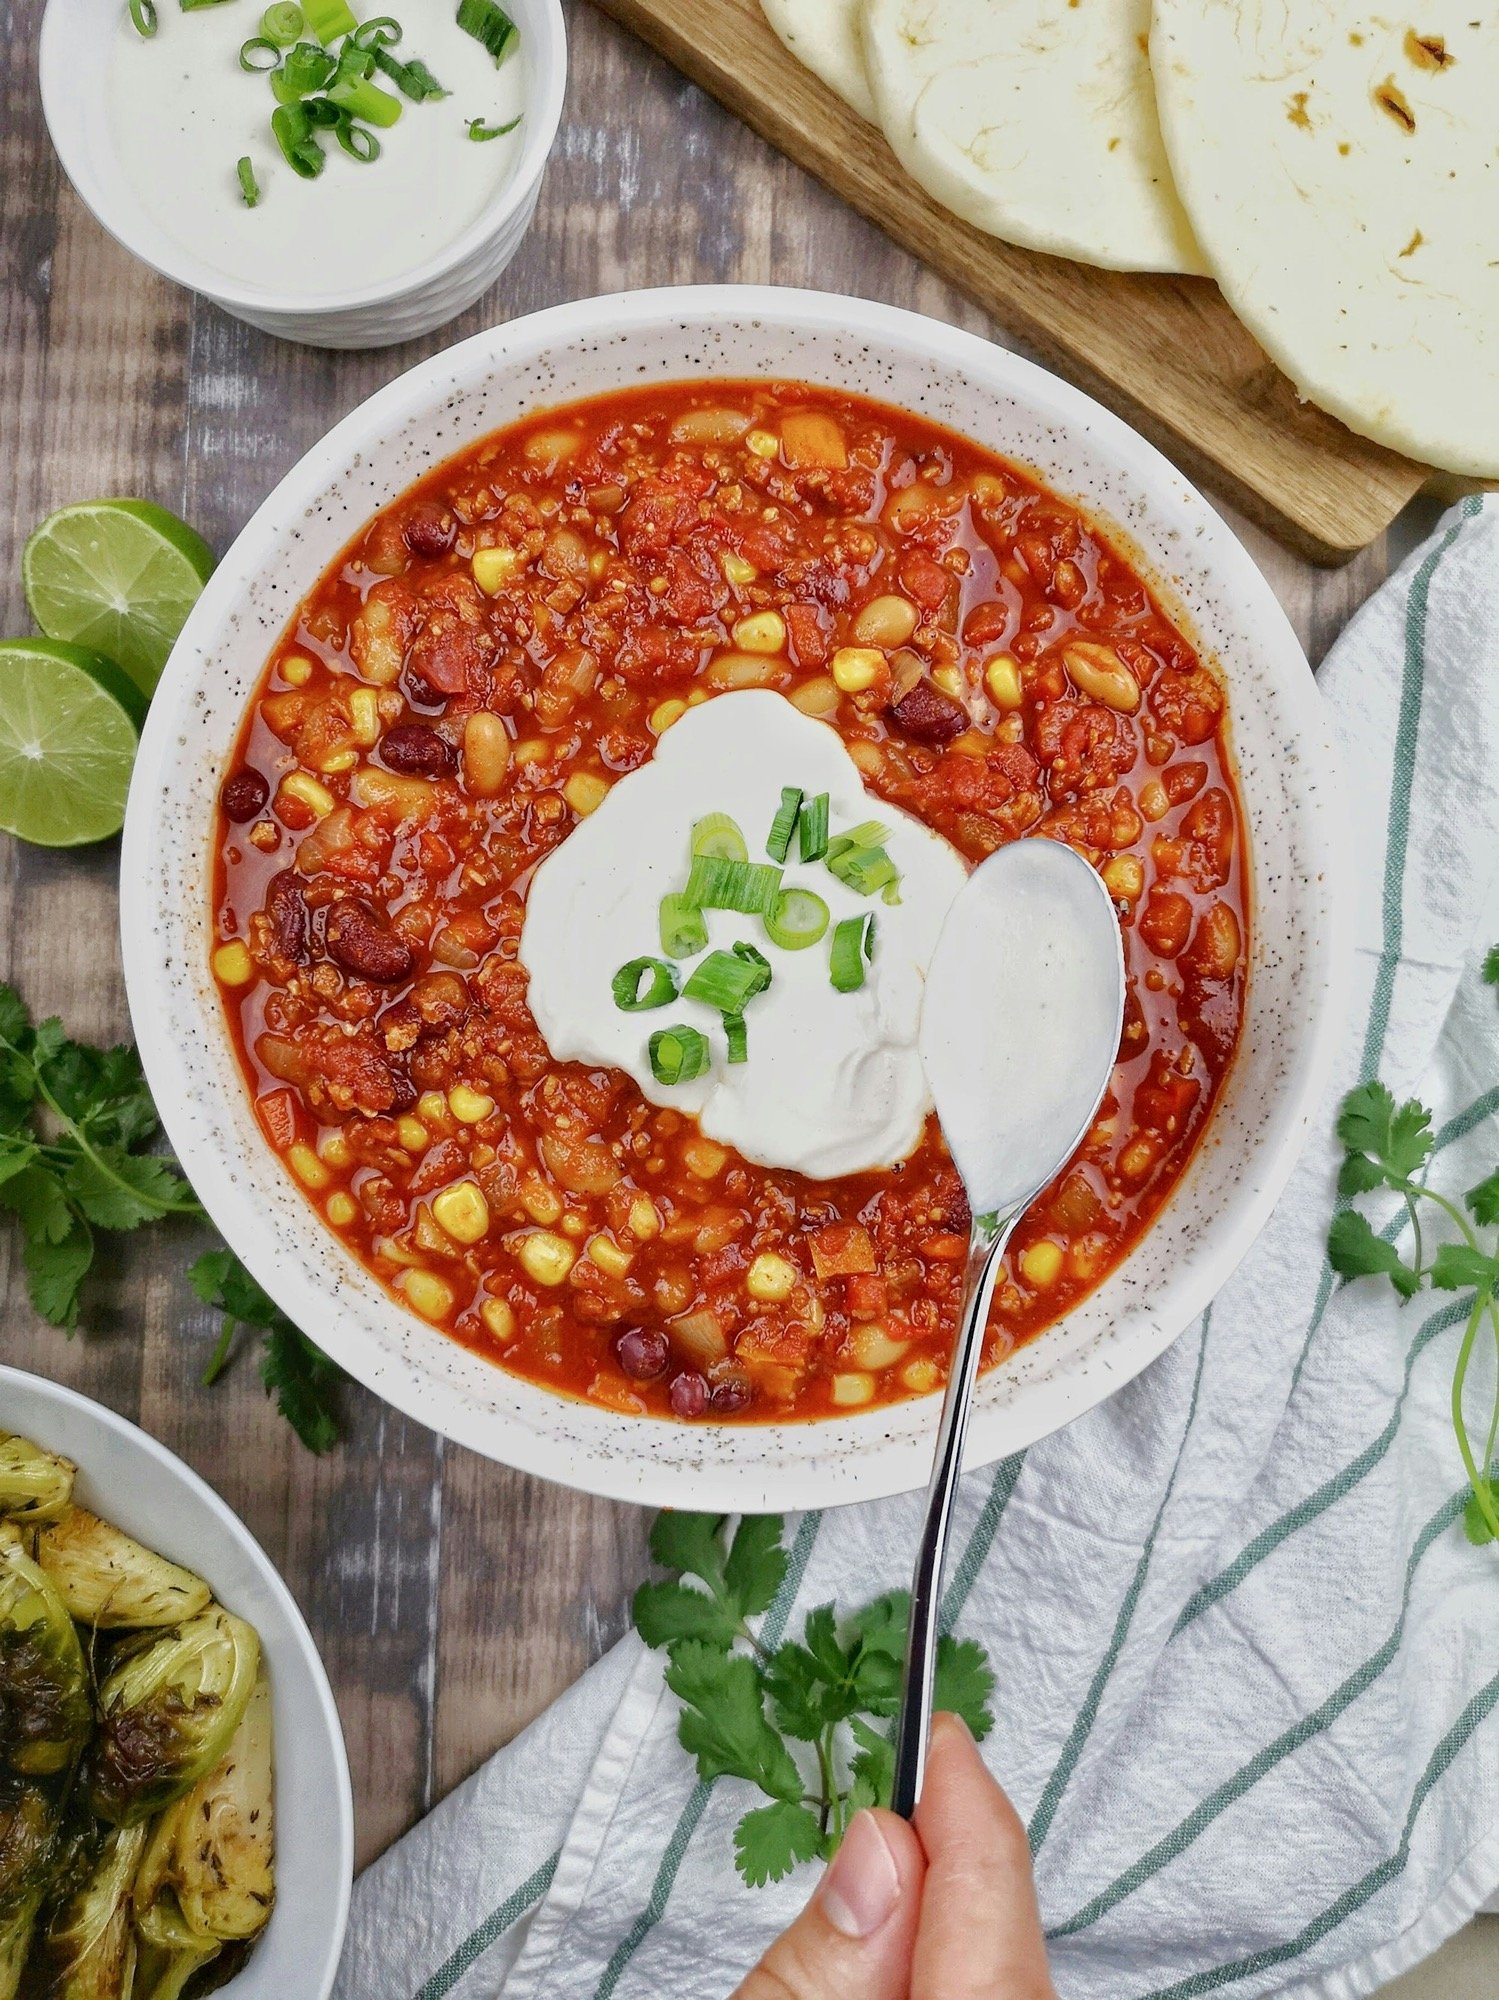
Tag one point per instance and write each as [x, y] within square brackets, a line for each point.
[946, 1911]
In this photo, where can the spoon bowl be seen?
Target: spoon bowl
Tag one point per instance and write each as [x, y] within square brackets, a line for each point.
[1020, 1030]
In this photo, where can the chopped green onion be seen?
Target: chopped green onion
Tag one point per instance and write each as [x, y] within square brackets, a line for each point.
[716, 833]
[737, 1036]
[306, 69]
[259, 54]
[865, 870]
[292, 130]
[799, 918]
[778, 840]
[363, 99]
[381, 33]
[853, 943]
[358, 141]
[477, 129]
[193, 6]
[249, 187]
[752, 955]
[353, 62]
[683, 931]
[143, 15]
[677, 1055]
[282, 23]
[812, 831]
[750, 887]
[726, 981]
[323, 114]
[869, 833]
[413, 79]
[632, 998]
[488, 24]
[328, 19]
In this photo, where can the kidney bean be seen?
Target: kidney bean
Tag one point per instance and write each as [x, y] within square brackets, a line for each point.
[643, 1352]
[729, 1398]
[688, 1393]
[286, 910]
[929, 714]
[416, 751]
[430, 530]
[359, 942]
[244, 795]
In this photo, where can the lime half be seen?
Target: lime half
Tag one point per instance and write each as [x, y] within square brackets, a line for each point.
[118, 576]
[69, 727]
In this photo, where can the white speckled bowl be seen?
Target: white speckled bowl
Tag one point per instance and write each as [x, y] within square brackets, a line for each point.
[132, 1480]
[1287, 769]
[73, 60]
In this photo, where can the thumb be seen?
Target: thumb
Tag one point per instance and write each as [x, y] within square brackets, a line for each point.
[857, 1933]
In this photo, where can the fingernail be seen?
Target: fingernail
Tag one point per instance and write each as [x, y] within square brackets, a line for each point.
[862, 1887]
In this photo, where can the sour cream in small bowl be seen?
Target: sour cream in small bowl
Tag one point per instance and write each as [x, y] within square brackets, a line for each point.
[366, 251]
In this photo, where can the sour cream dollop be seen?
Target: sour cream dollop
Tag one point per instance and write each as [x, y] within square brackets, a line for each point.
[834, 1082]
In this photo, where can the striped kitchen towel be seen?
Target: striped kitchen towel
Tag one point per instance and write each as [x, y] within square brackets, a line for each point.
[1247, 1660]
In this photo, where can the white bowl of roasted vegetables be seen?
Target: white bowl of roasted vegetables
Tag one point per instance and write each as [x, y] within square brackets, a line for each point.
[175, 1814]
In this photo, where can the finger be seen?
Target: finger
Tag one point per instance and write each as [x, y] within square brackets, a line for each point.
[855, 1935]
[980, 1933]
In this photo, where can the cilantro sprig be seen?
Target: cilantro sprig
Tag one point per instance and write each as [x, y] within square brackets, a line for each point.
[74, 1123]
[1387, 1148]
[833, 1693]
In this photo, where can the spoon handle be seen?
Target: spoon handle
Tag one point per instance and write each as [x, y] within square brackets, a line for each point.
[986, 1246]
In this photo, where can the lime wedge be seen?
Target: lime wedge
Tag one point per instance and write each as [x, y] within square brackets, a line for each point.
[69, 727]
[118, 576]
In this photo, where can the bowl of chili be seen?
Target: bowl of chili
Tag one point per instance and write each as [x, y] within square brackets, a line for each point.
[469, 617]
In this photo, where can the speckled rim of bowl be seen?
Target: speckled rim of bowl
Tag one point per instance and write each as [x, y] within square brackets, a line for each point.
[72, 62]
[134, 1481]
[1289, 779]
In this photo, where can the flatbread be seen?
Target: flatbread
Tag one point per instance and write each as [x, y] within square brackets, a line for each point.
[1033, 119]
[824, 34]
[1342, 172]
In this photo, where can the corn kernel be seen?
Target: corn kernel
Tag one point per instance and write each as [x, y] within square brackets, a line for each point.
[364, 717]
[609, 1257]
[545, 1258]
[233, 965]
[856, 668]
[770, 1278]
[764, 444]
[876, 1347]
[849, 1391]
[665, 714]
[333, 763]
[333, 1148]
[1002, 679]
[308, 1168]
[736, 569]
[704, 1159]
[1124, 877]
[645, 1218]
[1137, 1159]
[342, 1209]
[1041, 1263]
[498, 1318]
[432, 1108]
[598, 562]
[426, 1293]
[413, 1134]
[493, 569]
[302, 786]
[541, 1203]
[1154, 803]
[573, 1225]
[534, 751]
[463, 1212]
[296, 670]
[951, 681]
[761, 632]
[921, 1376]
[585, 792]
[469, 1107]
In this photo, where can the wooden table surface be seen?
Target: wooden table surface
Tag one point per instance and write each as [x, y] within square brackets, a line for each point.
[452, 1599]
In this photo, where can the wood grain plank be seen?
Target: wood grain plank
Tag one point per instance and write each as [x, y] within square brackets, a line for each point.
[1166, 352]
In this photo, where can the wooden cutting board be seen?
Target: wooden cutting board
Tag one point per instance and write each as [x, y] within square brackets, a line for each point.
[1165, 352]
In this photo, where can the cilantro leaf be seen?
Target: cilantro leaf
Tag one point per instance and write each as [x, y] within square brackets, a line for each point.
[1456, 1266]
[55, 1270]
[963, 1683]
[872, 1767]
[299, 1375]
[120, 1190]
[1395, 1138]
[1483, 1200]
[796, 1692]
[723, 1721]
[1491, 965]
[691, 1543]
[743, 1579]
[771, 1840]
[667, 1611]
[1354, 1251]
[756, 1564]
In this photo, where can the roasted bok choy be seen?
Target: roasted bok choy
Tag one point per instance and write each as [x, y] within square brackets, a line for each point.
[136, 1773]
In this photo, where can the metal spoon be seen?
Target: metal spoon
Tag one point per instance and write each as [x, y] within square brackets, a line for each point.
[1019, 1032]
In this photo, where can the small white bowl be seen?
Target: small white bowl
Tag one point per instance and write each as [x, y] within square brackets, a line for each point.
[130, 1479]
[1287, 765]
[73, 65]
